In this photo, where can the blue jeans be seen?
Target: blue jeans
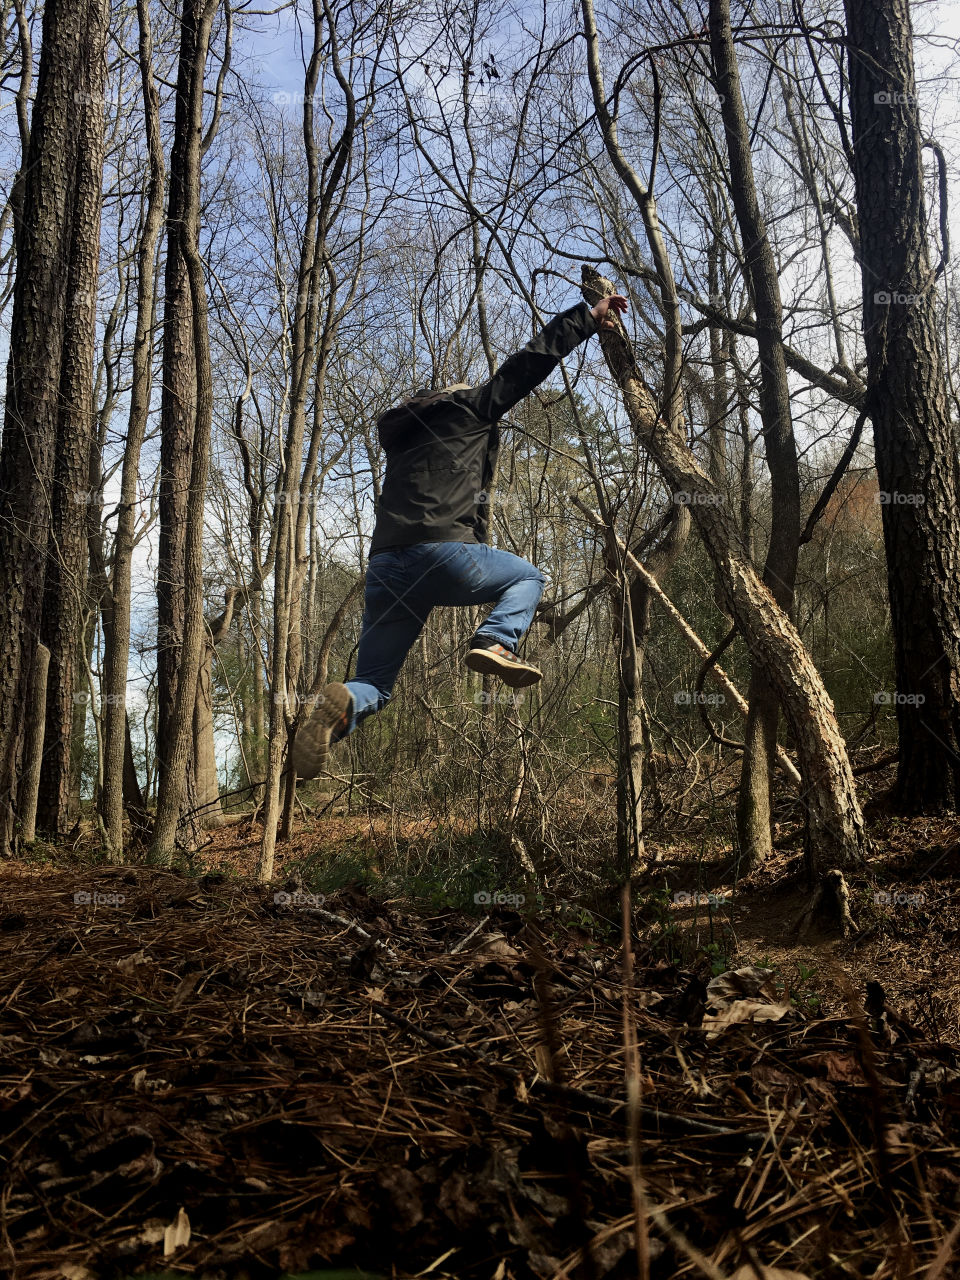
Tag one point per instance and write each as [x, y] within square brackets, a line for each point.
[404, 584]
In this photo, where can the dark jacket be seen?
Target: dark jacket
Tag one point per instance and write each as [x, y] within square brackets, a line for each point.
[441, 449]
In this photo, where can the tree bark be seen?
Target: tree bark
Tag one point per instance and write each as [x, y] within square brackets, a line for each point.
[66, 572]
[916, 455]
[58, 187]
[211, 814]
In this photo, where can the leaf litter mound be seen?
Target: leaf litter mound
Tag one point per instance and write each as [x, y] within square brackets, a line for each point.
[227, 1079]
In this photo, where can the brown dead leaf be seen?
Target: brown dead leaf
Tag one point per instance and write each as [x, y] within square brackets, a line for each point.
[130, 964]
[748, 982]
[494, 946]
[742, 1011]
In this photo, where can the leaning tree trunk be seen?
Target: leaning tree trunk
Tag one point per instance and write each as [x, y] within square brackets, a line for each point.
[186, 415]
[780, 568]
[914, 445]
[836, 829]
[55, 191]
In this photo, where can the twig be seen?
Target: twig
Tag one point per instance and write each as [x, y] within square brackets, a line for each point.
[567, 1093]
[473, 932]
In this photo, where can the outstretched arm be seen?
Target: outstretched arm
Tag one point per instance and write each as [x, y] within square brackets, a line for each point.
[518, 376]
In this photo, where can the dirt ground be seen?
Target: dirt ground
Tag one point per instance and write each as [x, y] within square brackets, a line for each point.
[201, 1075]
[906, 904]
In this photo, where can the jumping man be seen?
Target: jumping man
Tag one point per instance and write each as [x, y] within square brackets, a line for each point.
[429, 543]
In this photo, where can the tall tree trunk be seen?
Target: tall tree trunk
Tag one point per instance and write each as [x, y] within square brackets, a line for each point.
[186, 413]
[117, 783]
[60, 195]
[64, 596]
[916, 454]
[780, 567]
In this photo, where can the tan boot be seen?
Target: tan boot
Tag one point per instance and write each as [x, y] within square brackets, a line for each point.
[327, 723]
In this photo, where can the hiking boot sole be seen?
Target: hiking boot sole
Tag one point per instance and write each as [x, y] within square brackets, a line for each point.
[491, 664]
[311, 747]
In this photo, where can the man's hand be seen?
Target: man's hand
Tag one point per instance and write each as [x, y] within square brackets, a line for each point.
[605, 312]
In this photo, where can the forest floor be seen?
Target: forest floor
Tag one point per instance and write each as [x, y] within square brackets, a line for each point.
[201, 1075]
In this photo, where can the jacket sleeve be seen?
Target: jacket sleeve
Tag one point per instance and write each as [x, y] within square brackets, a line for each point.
[518, 376]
